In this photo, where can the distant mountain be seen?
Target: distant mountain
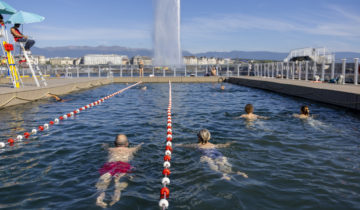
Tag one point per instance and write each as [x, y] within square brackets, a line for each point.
[79, 51]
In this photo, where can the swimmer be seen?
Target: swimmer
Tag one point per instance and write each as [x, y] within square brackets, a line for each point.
[304, 113]
[57, 98]
[143, 88]
[212, 156]
[222, 87]
[249, 109]
[116, 167]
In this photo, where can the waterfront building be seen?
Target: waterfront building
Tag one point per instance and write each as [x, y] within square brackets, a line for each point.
[61, 61]
[146, 60]
[318, 55]
[100, 59]
[190, 60]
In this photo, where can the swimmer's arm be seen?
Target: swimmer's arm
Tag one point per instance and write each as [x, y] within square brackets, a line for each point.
[223, 145]
[262, 117]
[138, 147]
[187, 145]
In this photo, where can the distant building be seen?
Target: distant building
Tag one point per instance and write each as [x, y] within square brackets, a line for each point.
[318, 55]
[99, 59]
[220, 61]
[190, 60]
[145, 59]
[61, 61]
[211, 61]
[39, 59]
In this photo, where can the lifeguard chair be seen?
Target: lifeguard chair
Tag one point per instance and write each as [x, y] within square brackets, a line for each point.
[7, 49]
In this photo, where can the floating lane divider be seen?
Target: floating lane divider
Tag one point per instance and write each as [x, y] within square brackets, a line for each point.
[46, 126]
[165, 192]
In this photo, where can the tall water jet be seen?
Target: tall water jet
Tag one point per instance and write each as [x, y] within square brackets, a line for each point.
[167, 49]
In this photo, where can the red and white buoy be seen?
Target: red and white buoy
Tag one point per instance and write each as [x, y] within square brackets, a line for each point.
[56, 121]
[165, 192]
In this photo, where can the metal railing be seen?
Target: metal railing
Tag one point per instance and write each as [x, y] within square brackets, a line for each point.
[340, 73]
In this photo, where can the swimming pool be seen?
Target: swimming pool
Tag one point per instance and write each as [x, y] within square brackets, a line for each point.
[291, 163]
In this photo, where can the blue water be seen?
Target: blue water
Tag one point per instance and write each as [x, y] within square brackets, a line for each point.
[291, 163]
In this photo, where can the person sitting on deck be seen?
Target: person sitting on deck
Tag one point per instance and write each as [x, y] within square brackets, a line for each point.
[19, 37]
[304, 113]
[211, 155]
[116, 167]
[249, 109]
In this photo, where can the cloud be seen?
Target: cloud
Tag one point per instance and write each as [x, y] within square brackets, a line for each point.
[212, 26]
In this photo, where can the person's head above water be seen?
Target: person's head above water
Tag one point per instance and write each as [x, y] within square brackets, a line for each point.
[17, 25]
[121, 141]
[305, 110]
[204, 136]
[249, 108]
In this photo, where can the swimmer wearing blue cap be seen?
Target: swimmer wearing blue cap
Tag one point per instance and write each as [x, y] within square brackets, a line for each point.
[212, 156]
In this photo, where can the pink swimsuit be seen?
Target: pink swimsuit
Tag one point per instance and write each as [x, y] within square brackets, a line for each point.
[115, 168]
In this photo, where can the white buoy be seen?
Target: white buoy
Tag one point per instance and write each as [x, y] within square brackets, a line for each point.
[165, 181]
[164, 203]
[78, 111]
[169, 136]
[167, 164]
[19, 137]
[2, 144]
[168, 152]
[169, 143]
[34, 131]
[46, 126]
[65, 116]
[72, 113]
[56, 120]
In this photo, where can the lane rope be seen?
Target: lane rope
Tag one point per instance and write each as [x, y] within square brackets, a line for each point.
[165, 192]
[56, 121]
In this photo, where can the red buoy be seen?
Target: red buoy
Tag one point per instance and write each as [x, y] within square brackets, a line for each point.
[168, 148]
[61, 118]
[26, 135]
[51, 122]
[169, 139]
[164, 192]
[169, 133]
[167, 158]
[166, 172]
[41, 128]
[69, 115]
[11, 141]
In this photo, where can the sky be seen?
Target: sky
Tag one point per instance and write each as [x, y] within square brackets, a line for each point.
[212, 25]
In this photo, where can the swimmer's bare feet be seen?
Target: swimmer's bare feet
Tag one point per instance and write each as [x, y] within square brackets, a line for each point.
[226, 177]
[242, 174]
[100, 200]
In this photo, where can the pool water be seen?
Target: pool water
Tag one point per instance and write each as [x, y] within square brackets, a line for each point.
[291, 163]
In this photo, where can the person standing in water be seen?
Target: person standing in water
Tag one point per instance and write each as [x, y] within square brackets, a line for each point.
[212, 156]
[116, 167]
[249, 109]
[304, 112]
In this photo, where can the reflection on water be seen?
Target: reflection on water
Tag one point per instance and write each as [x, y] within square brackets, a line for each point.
[291, 163]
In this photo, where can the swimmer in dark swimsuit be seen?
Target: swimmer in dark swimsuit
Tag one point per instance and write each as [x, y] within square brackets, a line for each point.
[56, 97]
[212, 156]
[116, 167]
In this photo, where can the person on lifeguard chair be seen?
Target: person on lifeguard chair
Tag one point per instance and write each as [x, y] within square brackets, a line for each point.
[19, 37]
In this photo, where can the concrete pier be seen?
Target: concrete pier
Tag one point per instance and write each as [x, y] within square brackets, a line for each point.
[347, 96]
[10, 96]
